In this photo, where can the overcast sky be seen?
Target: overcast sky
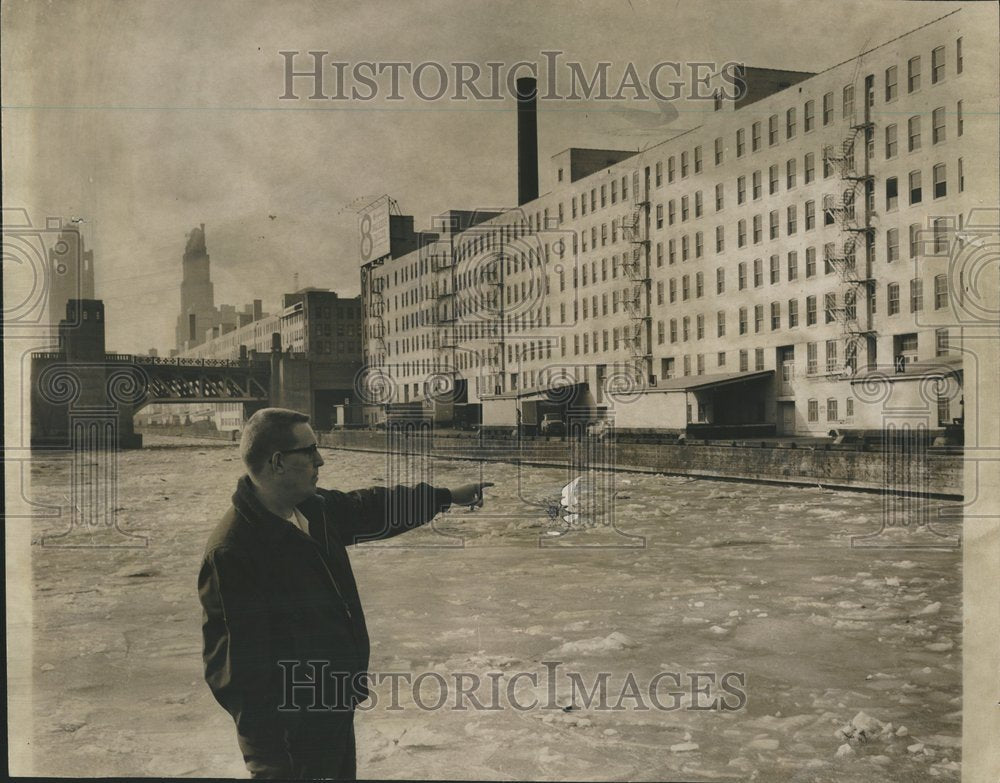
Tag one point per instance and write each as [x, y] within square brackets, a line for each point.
[146, 118]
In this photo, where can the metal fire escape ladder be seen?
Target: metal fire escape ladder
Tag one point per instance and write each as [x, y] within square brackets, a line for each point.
[637, 301]
[855, 314]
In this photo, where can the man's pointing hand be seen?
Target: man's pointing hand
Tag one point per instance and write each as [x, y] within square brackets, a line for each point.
[470, 495]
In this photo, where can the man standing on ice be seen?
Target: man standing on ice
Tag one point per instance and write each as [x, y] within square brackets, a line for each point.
[285, 643]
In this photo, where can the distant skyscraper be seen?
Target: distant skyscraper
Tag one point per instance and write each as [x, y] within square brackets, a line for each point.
[71, 273]
[198, 311]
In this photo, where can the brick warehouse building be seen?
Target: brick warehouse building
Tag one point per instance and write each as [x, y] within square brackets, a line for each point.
[793, 264]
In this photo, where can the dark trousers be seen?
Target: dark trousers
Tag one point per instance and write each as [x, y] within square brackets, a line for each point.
[318, 750]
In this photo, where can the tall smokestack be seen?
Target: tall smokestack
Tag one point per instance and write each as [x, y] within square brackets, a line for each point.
[527, 140]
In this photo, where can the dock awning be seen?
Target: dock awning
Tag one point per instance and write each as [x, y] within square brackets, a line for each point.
[703, 382]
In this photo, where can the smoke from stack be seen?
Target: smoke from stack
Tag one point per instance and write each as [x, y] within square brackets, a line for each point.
[527, 140]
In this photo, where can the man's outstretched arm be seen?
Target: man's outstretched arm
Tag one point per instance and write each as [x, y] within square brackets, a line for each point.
[381, 512]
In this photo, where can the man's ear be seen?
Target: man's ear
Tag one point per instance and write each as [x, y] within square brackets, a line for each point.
[277, 462]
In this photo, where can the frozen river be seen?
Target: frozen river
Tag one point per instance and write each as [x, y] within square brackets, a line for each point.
[699, 580]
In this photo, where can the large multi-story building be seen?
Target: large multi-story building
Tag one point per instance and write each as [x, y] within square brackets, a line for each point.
[795, 261]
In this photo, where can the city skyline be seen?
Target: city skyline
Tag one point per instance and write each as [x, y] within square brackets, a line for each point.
[157, 137]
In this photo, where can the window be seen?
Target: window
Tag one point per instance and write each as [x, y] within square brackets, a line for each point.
[913, 74]
[700, 326]
[959, 122]
[684, 164]
[698, 206]
[659, 255]
[686, 328]
[772, 129]
[812, 362]
[810, 215]
[741, 273]
[848, 101]
[775, 269]
[671, 251]
[773, 224]
[790, 174]
[671, 165]
[890, 84]
[659, 173]
[720, 280]
[720, 239]
[741, 189]
[792, 219]
[940, 292]
[757, 229]
[719, 197]
[673, 330]
[940, 181]
[744, 361]
[831, 409]
[659, 292]
[661, 333]
[740, 142]
[758, 272]
[939, 227]
[937, 65]
[793, 266]
[671, 213]
[828, 108]
[758, 317]
[892, 245]
[743, 320]
[720, 323]
[667, 367]
[741, 233]
[775, 315]
[914, 240]
[720, 359]
[891, 144]
[941, 342]
[755, 136]
[831, 355]
[813, 408]
[685, 211]
[809, 116]
[916, 295]
[699, 285]
[937, 126]
[673, 290]
[891, 194]
[790, 123]
[758, 357]
[916, 191]
[756, 185]
[830, 307]
[685, 247]
[810, 167]
[961, 176]
[892, 295]
[958, 55]
[697, 160]
[718, 152]
[810, 262]
[913, 134]
[685, 288]
[793, 313]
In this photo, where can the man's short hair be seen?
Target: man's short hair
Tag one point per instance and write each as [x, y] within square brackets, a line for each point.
[267, 431]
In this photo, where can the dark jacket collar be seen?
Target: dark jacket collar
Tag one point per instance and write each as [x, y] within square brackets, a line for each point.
[269, 524]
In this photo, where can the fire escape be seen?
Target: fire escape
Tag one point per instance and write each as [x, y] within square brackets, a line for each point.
[493, 317]
[377, 348]
[444, 315]
[853, 209]
[637, 299]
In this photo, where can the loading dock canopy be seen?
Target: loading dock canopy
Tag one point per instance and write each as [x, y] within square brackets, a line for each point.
[541, 393]
[702, 382]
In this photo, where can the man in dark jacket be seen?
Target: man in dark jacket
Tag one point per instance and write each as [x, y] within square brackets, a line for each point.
[285, 643]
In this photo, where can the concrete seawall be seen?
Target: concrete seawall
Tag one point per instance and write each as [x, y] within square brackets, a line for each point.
[934, 473]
